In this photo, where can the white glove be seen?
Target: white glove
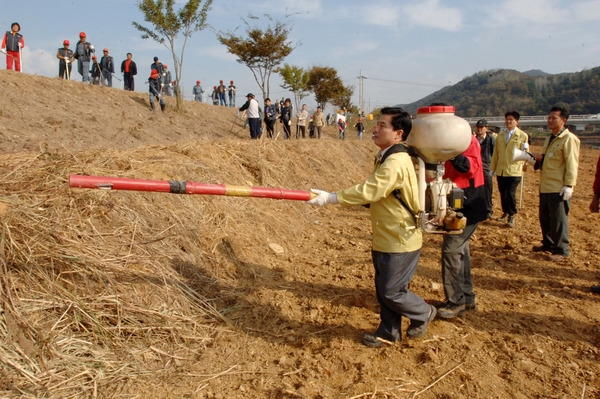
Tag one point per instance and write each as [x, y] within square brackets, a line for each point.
[67, 60]
[323, 198]
[3, 51]
[525, 146]
[566, 193]
[20, 44]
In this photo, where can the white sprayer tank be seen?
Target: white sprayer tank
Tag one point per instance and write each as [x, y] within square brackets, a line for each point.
[438, 135]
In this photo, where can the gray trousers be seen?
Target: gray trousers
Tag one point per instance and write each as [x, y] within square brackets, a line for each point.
[393, 272]
[456, 266]
[554, 221]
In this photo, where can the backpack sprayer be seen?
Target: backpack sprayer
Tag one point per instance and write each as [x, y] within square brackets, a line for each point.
[437, 136]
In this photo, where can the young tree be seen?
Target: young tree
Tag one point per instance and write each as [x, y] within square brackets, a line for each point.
[327, 86]
[168, 24]
[261, 50]
[295, 79]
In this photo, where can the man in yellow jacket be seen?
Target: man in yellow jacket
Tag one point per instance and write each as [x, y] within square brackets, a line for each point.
[558, 161]
[509, 173]
[391, 192]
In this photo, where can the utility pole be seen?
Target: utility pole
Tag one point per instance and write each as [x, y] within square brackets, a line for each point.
[361, 101]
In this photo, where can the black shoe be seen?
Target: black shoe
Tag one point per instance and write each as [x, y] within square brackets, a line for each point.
[449, 310]
[541, 248]
[595, 289]
[418, 328]
[511, 221]
[374, 341]
[503, 218]
[469, 307]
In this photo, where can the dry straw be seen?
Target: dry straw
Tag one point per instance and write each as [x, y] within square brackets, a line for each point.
[100, 288]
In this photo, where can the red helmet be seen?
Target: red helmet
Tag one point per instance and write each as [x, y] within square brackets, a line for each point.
[66, 43]
[197, 82]
[82, 34]
[154, 74]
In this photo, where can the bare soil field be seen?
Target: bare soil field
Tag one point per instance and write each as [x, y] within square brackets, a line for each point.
[123, 294]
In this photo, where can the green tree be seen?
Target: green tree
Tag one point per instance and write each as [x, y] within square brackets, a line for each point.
[168, 24]
[262, 49]
[327, 87]
[295, 79]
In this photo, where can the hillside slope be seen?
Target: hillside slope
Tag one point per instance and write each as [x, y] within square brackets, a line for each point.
[146, 295]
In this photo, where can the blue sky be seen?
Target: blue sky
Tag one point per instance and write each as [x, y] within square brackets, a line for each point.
[406, 49]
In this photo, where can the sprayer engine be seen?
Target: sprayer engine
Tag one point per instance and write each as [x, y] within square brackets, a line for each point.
[443, 200]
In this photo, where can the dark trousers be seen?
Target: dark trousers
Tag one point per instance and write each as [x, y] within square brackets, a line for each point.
[287, 131]
[507, 186]
[254, 124]
[393, 272]
[489, 192]
[270, 125]
[456, 266]
[554, 221]
[301, 130]
[128, 82]
[62, 70]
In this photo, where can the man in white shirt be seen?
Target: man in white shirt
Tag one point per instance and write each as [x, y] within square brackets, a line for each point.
[251, 108]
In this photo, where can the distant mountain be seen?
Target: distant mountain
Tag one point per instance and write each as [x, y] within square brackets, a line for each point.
[533, 92]
[535, 73]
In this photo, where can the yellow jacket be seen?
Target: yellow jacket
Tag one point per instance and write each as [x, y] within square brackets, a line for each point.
[393, 225]
[501, 163]
[561, 160]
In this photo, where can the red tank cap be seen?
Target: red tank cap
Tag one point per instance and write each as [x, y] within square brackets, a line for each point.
[435, 109]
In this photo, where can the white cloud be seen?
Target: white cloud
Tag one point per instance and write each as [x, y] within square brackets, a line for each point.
[536, 11]
[587, 10]
[432, 14]
[381, 15]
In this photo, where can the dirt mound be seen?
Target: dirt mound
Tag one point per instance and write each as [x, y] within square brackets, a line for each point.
[132, 294]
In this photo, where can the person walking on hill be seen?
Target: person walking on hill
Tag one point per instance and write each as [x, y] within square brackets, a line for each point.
[154, 88]
[95, 72]
[65, 60]
[215, 96]
[319, 121]
[286, 119]
[12, 45]
[397, 240]
[509, 173]
[231, 92]
[158, 67]
[107, 66]
[251, 106]
[558, 162]
[197, 92]
[270, 117]
[83, 55]
[167, 81]
[342, 129]
[466, 171]
[222, 90]
[487, 144]
[595, 207]
[360, 128]
[302, 119]
[129, 70]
